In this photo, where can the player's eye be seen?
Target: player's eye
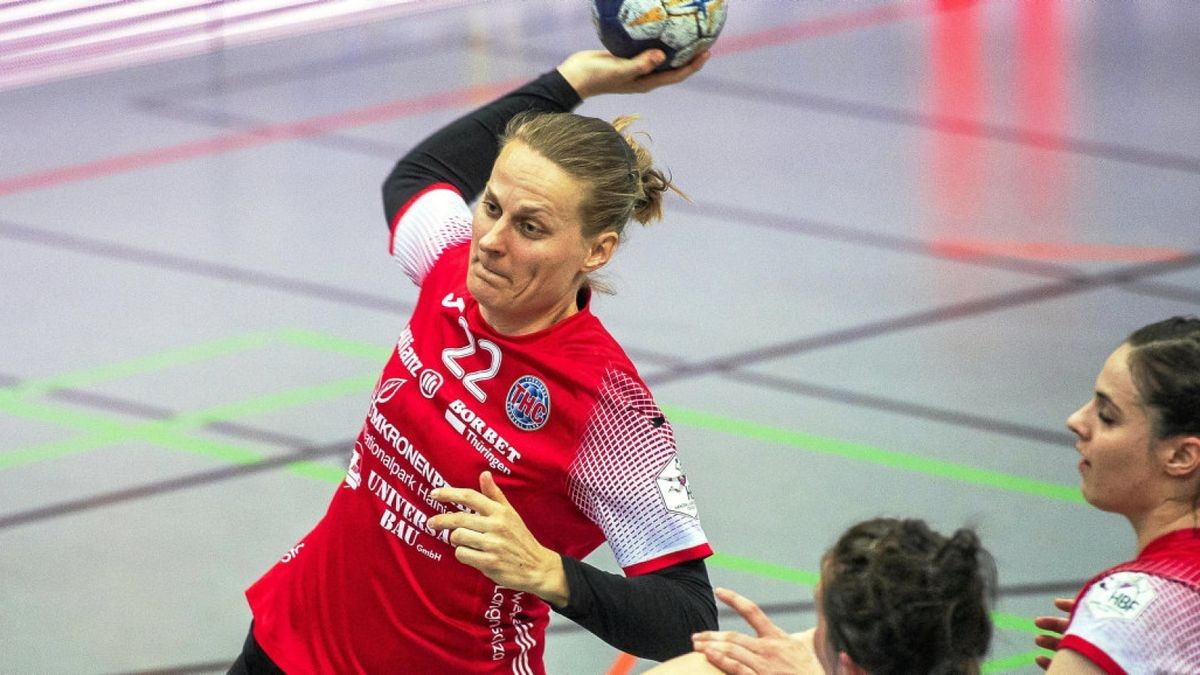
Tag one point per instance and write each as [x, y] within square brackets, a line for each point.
[1105, 415]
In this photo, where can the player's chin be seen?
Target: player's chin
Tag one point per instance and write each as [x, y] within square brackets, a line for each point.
[486, 291]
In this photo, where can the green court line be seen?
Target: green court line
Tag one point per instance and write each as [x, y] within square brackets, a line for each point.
[149, 363]
[54, 449]
[1013, 662]
[763, 569]
[888, 458]
[105, 432]
[58, 416]
[158, 433]
[1002, 620]
[1015, 622]
[359, 384]
[331, 343]
[231, 453]
[328, 343]
[165, 435]
[317, 471]
[101, 431]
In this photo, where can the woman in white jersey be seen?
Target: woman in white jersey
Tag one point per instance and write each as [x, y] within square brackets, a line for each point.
[1139, 447]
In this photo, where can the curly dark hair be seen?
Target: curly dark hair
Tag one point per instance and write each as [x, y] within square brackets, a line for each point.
[899, 597]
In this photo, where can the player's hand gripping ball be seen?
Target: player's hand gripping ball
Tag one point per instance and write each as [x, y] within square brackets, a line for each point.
[681, 28]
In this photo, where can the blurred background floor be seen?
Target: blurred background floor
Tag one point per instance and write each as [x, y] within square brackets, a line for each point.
[918, 229]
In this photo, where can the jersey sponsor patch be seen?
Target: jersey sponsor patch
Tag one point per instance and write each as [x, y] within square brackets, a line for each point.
[528, 403]
[354, 471]
[676, 494]
[1123, 595]
[431, 381]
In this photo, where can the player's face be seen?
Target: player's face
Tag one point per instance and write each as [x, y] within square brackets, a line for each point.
[1115, 442]
[528, 253]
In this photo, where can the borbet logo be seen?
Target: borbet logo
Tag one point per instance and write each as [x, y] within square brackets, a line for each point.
[387, 389]
[528, 403]
[478, 432]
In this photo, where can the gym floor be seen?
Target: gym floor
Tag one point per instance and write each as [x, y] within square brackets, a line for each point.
[917, 230]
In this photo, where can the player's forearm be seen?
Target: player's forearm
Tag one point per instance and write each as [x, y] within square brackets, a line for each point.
[462, 152]
[651, 616]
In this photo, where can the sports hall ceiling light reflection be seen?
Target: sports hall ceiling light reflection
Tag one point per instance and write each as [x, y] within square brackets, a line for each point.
[54, 39]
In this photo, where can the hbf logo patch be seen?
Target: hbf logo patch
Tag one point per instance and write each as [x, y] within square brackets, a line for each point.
[528, 403]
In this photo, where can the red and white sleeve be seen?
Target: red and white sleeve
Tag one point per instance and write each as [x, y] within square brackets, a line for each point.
[628, 480]
[1131, 622]
[434, 220]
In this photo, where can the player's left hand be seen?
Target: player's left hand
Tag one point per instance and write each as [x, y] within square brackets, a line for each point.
[493, 539]
[1057, 625]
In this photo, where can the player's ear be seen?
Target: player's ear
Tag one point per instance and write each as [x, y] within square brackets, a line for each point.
[600, 251]
[1184, 457]
[848, 666]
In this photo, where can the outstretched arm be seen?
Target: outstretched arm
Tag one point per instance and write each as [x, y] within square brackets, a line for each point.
[462, 153]
[771, 651]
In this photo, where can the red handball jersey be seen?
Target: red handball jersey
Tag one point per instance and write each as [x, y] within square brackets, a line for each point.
[562, 420]
[1143, 616]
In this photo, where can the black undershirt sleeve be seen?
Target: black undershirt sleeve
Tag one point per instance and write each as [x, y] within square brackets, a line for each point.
[651, 616]
[462, 152]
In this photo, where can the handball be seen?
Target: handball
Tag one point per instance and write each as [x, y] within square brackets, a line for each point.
[680, 28]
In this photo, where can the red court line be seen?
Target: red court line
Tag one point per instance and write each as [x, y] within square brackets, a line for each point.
[1038, 250]
[622, 665]
[322, 125]
[806, 30]
[313, 126]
